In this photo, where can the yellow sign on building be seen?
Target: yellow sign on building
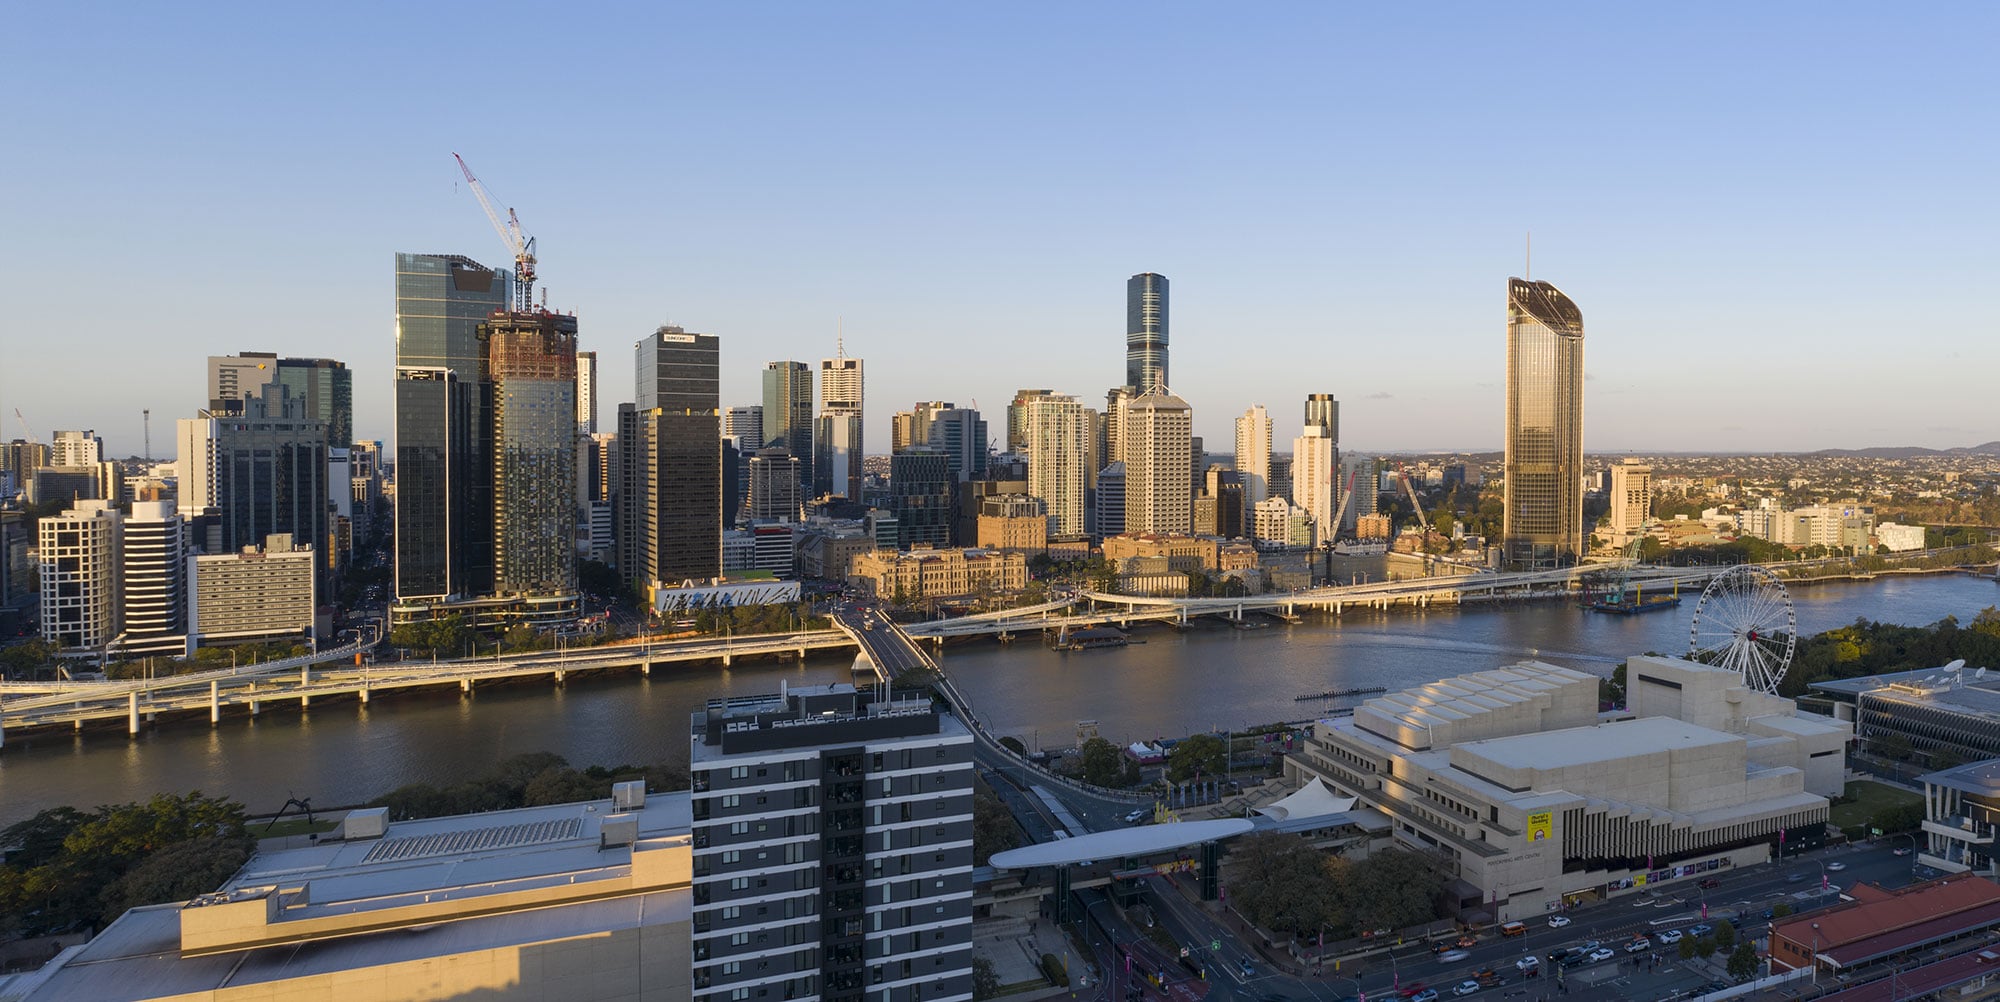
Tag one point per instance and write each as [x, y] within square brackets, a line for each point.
[1541, 825]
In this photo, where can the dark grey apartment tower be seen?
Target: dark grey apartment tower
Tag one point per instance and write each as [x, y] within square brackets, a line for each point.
[788, 412]
[922, 490]
[669, 505]
[444, 421]
[832, 848]
[1146, 333]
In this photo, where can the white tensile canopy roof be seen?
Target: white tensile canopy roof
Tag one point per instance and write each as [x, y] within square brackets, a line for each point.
[1311, 801]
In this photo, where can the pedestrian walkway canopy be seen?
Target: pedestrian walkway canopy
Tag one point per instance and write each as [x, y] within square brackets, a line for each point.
[1123, 843]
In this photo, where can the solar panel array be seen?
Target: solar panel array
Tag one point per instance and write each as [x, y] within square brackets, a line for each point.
[474, 840]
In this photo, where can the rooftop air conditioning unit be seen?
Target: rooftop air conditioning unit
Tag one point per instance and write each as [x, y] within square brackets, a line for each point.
[368, 822]
[618, 831]
[628, 796]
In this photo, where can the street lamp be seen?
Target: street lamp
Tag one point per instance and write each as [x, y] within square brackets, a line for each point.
[1815, 954]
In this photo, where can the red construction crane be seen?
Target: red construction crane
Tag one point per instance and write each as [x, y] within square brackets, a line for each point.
[522, 245]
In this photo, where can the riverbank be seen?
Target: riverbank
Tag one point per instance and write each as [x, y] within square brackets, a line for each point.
[1177, 683]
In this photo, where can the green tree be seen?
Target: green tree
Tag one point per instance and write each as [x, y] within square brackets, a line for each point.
[1103, 764]
[1899, 818]
[1284, 884]
[1725, 935]
[1200, 754]
[1705, 947]
[1392, 889]
[1780, 910]
[1687, 949]
[993, 828]
[1743, 961]
[1013, 744]
[985, 980]
[101, 867]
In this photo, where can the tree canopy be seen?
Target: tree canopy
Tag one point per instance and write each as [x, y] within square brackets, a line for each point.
[1201, 753]
[67, 869]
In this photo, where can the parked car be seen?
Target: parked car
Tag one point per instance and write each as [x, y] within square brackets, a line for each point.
[1558, 921]
[1466, 988]
[1670, 937]
[1639, 945]
[1600, 955]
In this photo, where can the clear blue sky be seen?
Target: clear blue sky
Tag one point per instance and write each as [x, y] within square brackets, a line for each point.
[1779, 220]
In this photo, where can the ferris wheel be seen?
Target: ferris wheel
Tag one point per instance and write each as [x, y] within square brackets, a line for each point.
[1744, 622]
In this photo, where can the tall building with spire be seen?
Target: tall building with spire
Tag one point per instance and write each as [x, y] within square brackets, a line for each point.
[1543, 519]
[1146, 333]
[837, 443]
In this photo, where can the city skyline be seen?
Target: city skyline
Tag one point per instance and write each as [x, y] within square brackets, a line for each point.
[939, 163]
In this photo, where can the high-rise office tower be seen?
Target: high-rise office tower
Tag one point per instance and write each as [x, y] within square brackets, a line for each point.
[323, 387]
[1146, 333]
[1056, 430]
[1543, 519]
[262, 469]
[1631, 500]
[531, 361]
[1111, 448]
[921, 489]
[837, 442]
[1253, 454]
[1323, 412]
[1108, 502]
[1226, 487]
[1313, 471]
[668, 507]
[1159, 482]
[774, 486]
[833, 848]
[960, 434]
[788, 411]
[1017, 420]
[444, 426]
[586, 393]
[746, 423]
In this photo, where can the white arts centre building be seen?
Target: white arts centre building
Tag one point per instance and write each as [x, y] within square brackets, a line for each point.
[1538, 801]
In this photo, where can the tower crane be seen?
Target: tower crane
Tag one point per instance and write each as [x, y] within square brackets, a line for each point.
[1423, 522]
[1340, 514]
[23, 418]
[521, 244]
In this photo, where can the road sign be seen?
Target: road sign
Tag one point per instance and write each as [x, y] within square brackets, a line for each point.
[1215, 944]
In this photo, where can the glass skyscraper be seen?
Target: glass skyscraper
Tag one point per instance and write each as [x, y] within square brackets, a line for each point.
[444, 471]
[1146, 333]
[532, 362]
[1543, 525]
[788, 412]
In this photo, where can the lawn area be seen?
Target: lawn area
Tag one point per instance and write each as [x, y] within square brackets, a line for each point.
[1869, 797]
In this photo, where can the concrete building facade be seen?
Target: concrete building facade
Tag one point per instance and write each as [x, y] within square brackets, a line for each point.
[1543, 515]
[256, 594]
[923, 573]
[1058, 451]
[1158, 442]
[1537, 800]
[1253, 454]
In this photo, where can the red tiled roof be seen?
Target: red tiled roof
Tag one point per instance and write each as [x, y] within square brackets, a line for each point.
[1893, 910]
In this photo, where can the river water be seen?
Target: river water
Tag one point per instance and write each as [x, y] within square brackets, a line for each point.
[1172, 684]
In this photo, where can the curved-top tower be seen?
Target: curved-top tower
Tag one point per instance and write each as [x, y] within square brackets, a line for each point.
[1146, 333]
[1544, 466]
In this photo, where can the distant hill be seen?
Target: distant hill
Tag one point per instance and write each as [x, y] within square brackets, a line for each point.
[1912, 451]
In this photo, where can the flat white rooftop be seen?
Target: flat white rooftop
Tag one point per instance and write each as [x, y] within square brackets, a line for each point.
[1575, 746]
